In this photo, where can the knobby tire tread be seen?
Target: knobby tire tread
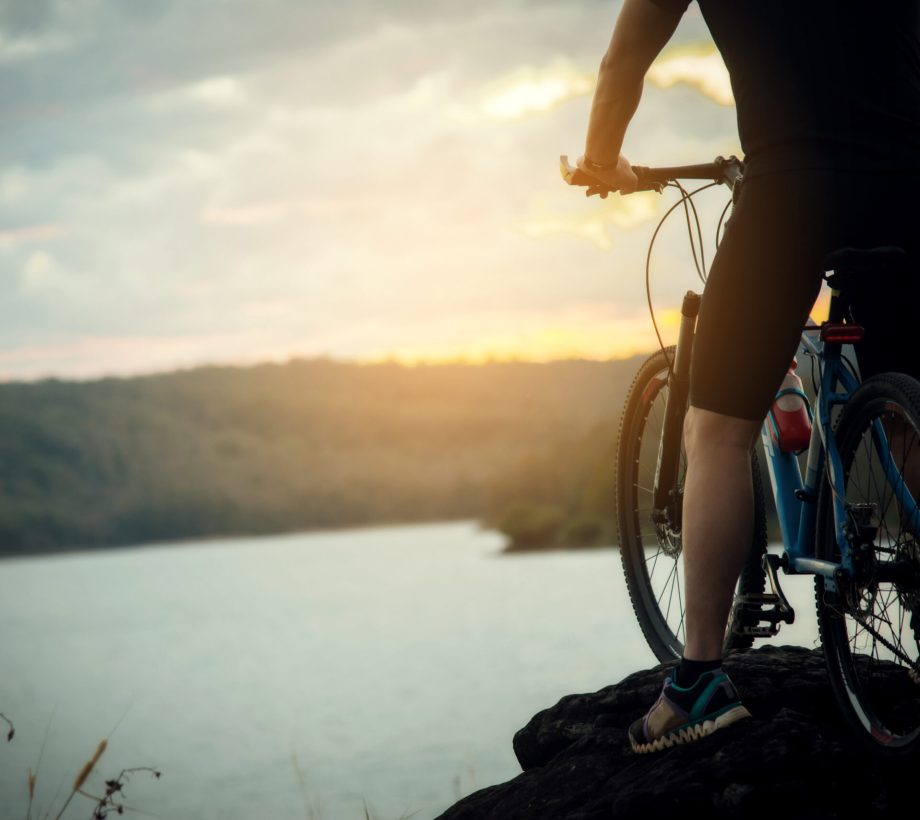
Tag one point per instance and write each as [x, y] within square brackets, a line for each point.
[904, 390]
[631, 430]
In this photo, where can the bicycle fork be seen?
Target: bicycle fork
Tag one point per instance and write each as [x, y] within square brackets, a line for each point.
[668, 494]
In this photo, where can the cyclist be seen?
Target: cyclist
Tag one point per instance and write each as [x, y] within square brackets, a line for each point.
[828, 107]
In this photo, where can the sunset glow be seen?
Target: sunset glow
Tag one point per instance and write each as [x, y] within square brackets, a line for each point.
[585, 337]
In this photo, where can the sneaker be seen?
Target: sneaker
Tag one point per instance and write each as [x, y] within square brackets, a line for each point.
[684, 715]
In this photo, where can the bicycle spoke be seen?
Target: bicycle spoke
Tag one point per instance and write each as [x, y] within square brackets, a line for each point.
[651, 548]
[680, 598]
[881, 639]
[672, 577]
[655, 562]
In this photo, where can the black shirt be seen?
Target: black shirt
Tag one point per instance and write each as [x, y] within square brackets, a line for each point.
[821, 83]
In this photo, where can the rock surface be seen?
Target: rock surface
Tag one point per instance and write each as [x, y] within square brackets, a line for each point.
[793, 759]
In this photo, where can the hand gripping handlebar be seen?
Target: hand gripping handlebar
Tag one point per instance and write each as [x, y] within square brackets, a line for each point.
[721, 170]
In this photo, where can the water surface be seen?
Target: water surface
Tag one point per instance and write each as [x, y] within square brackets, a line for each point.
[393, 664]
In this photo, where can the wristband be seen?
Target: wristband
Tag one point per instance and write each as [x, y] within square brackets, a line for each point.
[596, 166]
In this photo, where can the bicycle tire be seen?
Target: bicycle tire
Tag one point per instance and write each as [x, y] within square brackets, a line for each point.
[643, 544]
[871, 632]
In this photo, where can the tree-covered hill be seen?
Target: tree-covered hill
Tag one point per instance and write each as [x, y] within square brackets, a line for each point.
[311, 443]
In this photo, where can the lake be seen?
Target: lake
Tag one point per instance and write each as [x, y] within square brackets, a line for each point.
[304, 675]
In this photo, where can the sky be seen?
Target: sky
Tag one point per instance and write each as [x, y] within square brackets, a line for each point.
[194, 181]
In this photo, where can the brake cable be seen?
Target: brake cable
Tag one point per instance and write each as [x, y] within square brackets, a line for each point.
[689, 204]
[699, 261]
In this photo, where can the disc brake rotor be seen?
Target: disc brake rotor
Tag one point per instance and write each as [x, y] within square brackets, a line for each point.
[669, 539]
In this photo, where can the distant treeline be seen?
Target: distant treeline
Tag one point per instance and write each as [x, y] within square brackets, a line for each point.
[221, 451]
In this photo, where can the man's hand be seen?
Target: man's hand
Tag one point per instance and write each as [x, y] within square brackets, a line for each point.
[620, 178]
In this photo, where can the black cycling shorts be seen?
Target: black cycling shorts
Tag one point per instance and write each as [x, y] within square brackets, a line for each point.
[767, 273]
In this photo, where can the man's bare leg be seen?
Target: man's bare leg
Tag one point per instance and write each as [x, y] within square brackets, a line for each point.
[718, 516]
[717, 526]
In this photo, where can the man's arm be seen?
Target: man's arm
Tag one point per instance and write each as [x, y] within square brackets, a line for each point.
[642, 30]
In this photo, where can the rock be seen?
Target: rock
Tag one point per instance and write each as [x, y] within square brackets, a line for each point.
[792, 759]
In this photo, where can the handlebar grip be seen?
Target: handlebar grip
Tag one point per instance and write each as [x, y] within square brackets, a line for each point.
[648, 179]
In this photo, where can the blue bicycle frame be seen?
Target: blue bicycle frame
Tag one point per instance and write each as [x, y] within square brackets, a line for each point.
[797, 500]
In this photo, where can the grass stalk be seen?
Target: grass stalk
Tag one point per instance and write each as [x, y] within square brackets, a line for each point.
[82, 775]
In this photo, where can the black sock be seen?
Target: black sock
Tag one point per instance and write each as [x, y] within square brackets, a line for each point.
[688, 672]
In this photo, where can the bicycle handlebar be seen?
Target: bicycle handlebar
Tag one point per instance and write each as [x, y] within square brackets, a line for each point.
[721, 170]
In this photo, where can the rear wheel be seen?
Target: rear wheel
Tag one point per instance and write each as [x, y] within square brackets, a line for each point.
[870, 625]
[650, 549]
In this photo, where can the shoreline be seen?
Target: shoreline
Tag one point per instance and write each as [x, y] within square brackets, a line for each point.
[205, 539]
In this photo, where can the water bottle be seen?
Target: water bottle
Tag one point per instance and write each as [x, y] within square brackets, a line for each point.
[791, 422]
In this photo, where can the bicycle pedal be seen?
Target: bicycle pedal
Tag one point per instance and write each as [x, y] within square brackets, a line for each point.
[760, 598]
[771, 565]
[760, 614]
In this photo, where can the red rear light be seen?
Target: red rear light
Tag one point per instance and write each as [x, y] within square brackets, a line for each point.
[842, 334]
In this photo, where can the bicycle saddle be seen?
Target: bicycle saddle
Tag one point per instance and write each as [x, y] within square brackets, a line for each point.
[849, 266]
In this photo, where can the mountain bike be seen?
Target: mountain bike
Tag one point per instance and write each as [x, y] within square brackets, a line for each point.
[852, 521]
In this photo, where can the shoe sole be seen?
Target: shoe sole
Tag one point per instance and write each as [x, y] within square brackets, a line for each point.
[691, 733]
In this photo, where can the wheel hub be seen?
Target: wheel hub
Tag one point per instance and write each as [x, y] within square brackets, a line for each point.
[669, 537]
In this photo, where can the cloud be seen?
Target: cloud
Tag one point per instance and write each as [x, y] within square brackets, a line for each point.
[17, 49]
[528, 90]
[10, 237]
[40, 269]
[596, 223]
[249, 215]
[219, 92]
[698, 66]
[295, 181]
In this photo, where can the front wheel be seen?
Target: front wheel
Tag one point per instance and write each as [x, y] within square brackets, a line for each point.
[650, 549]
[870, 623]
